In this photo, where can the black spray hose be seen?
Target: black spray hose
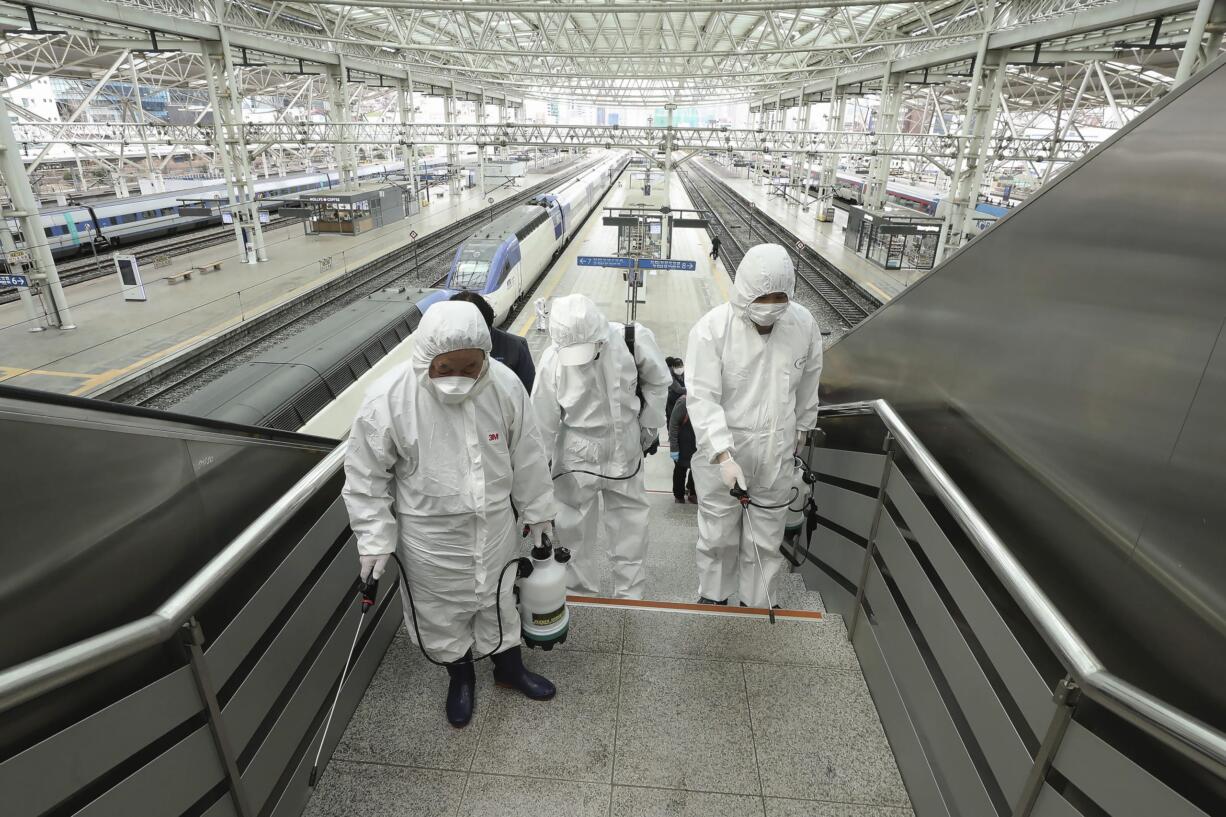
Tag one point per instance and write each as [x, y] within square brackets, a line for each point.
[519, 561]
[631, 475]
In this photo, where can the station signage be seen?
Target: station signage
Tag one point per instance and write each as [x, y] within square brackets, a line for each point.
[667, 263]
[14, 281]
[606, 261]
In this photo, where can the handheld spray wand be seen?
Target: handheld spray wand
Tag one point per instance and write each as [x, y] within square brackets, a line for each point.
[742, 496]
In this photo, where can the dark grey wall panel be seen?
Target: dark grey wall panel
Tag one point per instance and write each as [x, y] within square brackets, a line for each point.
[296, 793]
[1065, 369]
[222, 808]
[1025, 683]
[1051, 804]
[947, 751]
[73, 758]
[927, 799]
[845, 508]
[999, 739]
[241, 634]
[850, 465]
[1114, 782]
[172, 781]
[251, 702]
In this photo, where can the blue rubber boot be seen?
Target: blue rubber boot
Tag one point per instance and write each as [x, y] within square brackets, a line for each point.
[509, 672]
[461, 691]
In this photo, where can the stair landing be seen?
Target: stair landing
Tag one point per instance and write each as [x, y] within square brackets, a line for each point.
[661, 710]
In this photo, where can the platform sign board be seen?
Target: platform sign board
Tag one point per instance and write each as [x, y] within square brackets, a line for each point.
[131, 284]
[606, 261]
[667, 263]
[15, 257]
[14, 281]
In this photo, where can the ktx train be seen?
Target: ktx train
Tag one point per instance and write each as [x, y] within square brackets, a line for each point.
[321, 374]
[72, 229]
[506, 257]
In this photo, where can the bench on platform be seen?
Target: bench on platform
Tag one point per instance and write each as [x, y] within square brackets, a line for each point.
[205, 269]
[180, 276]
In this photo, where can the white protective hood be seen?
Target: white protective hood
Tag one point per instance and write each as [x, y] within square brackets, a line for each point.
[766, 268]
[446, 327]
[576, 326]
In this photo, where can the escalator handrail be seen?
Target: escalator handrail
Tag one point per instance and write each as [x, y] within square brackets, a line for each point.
[1192, 737]
[59, 667]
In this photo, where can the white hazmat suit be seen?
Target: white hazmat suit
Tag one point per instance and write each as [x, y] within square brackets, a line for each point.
[592, 420]
[434, 481]
[749, 394]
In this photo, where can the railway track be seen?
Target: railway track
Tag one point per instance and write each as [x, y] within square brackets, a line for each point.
[741, 225]
[423, 263]
[80, 270]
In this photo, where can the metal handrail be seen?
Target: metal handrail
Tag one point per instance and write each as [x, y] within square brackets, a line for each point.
[1172, 726]
[47, 672]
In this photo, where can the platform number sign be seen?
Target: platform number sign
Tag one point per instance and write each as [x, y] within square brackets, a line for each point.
[14, 281]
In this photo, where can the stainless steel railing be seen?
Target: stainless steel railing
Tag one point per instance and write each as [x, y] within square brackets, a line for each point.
[1086, 673]
[47, 672]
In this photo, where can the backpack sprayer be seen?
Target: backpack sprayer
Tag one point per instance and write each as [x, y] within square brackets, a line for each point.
[804, 515]
[544, 617]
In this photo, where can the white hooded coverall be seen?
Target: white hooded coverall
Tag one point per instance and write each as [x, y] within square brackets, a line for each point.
[590, 419]
[748, 394]
[434, 482]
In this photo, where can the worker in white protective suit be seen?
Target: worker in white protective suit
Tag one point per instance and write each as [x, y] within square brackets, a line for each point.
[600, 407]
[438, 452]
[754, 366]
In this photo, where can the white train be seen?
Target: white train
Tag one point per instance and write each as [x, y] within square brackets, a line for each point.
[110, 223]
[504, 260]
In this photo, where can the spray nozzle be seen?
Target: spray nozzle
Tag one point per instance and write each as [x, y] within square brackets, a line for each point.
[370, 590]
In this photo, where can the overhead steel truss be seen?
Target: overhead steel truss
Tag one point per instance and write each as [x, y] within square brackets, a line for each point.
[35, 135]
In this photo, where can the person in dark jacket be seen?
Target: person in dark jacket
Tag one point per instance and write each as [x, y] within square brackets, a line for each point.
[681, 447]
[715, 242]
[677, 388]
[509, 350]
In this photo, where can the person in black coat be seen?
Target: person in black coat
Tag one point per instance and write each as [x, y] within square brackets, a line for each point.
[681, 447]
[509, 350]
[676, 368]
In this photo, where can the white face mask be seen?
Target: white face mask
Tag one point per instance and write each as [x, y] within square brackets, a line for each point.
[765, 314]
[454, 389]
[680, 370]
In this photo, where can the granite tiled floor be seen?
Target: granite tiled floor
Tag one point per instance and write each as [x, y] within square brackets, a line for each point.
[657, 713]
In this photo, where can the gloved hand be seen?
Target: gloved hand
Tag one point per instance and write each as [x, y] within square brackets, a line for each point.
[372, 566]
[538, 531]
[676, 455]
[732, 474]
[647, 436]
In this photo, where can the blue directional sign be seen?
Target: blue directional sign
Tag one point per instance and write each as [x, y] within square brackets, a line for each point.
[605, 261]
[666, 263]
[14, 281]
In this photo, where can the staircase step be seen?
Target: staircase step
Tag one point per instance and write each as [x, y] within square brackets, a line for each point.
[694, 631]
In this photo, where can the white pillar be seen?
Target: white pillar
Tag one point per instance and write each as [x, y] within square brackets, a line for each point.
[1191, 51]
[481, 144]
[830, 161]
[222, 142]
[887, 122]
[339, 114]
[25, 206]
[666, 232]
[404, 104]
[453, 153]
[241, 160]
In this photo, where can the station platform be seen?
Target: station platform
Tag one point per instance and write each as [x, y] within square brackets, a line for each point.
[663, 707]
[115, 338]
[672, 300]
[824, 237]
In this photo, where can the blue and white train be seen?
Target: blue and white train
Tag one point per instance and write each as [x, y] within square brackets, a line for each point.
[110, 223]
[506, 257]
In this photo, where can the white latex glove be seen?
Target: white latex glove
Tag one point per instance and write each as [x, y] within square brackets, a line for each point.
[647, 436]
[732, 474]
[539, 530]
[372, 566]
